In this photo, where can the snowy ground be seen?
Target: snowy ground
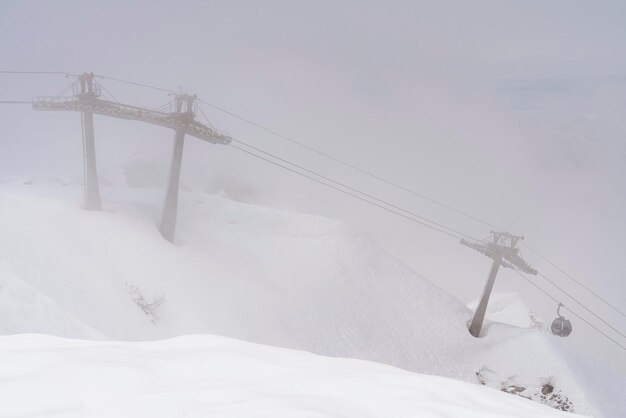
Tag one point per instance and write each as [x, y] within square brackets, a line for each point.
[256, 274]
[203, 376]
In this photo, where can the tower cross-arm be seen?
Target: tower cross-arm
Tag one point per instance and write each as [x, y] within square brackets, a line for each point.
[128, 112]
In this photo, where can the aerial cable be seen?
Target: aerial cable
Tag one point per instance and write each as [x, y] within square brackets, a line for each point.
[133, 83]
[572, 278]
[207, 119]
[370, 174]
[109, 93]
[460, 234]
[163, 106]
[65, 89]
[573, 313]
[398, 208]
[34, 72]
[350, 165]
[356, 196]
[580, 304]
[343, 185]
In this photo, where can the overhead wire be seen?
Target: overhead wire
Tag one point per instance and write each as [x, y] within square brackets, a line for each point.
[65, 89]
[579, 303]
[109, 93]
[34, 72]
[380, 178]
[343, 185]
[205, 117]
[349, 165]
[319, 152]
[133, 83]
[460, 234]
[573, 312]
[356, 196]
[163, 106]
[390, 205]
[574, 279]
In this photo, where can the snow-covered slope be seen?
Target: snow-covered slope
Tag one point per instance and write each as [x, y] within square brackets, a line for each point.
[23, 307]
[258, 274]
[207, 376]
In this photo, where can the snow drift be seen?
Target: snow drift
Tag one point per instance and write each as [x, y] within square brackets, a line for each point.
[201, 376]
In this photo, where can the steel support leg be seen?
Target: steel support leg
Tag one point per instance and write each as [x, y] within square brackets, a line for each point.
[479, 315]
[170, 207]
[92, 187]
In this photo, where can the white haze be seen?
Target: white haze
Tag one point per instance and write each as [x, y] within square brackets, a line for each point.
[511, 111]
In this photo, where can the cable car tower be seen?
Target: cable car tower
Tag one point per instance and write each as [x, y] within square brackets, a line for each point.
[87, 100]
[502, 248]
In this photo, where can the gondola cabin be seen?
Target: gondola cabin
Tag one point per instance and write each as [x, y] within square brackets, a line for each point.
[561, 326]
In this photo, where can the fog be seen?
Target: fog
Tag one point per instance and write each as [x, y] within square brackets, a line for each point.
[510, 111]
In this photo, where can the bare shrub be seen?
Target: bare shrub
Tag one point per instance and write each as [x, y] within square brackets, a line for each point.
[150, 308]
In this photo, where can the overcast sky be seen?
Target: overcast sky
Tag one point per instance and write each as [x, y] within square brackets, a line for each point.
[512, 111]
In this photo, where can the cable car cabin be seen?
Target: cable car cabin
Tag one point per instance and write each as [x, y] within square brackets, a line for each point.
[561, 327]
